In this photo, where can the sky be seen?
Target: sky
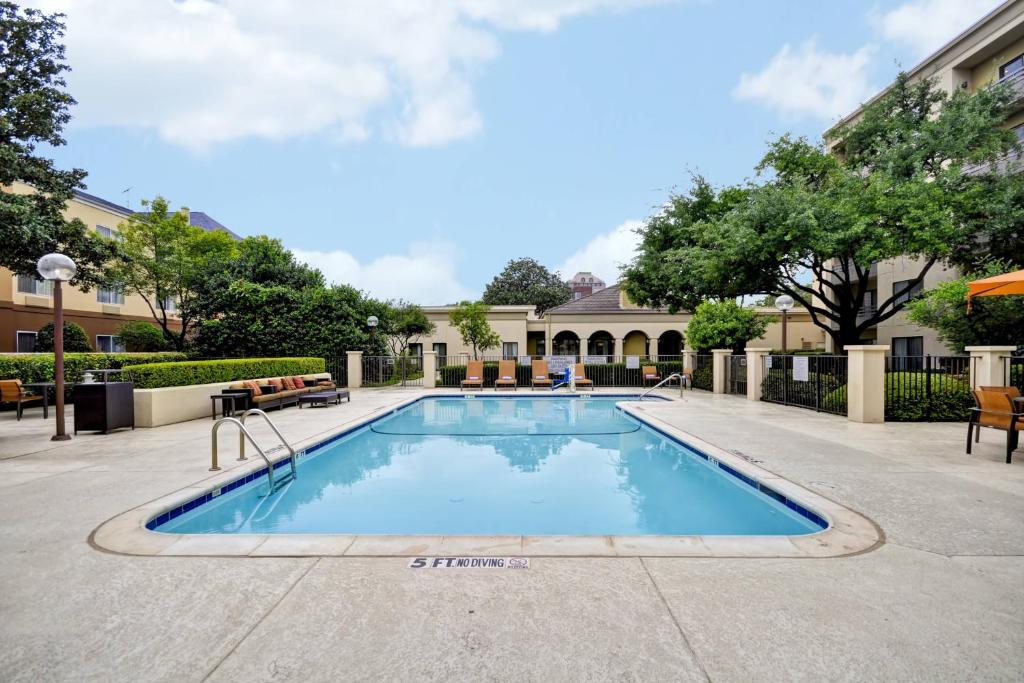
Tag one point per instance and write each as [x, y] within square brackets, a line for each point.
[411, 149]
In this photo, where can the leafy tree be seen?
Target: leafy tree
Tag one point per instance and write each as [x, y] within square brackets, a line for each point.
[992, 320]
[165, 260]
[526, 282]
[897, 187]
[138, 336]
[75, 338]
[34, 108]
[724, 325]
[470, 319]
[402, 324]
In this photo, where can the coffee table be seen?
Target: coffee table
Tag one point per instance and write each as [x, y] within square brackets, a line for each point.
[323, 397]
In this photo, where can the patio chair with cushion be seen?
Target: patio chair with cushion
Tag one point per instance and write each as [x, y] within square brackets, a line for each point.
[580, 377]
[539, 375]
[686, 377]
[11, 391]
[995, 410]
[474, 375]
[650, 374]
[506, 374]
[1014, 392]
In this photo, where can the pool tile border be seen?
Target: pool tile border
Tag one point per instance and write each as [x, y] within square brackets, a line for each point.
[845, 532]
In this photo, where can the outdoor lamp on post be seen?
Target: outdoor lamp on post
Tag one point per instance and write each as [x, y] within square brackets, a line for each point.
[784, 303]
[372, 323]
[58, 268]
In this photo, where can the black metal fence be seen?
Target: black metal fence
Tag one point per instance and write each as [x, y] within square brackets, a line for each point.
[1013, 370]
[338, 367]
[817, 382]
[927, 388]
[387, 371]
[738, 375]
[603, 371]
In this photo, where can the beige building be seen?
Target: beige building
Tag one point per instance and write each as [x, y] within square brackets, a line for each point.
[990, 51]
[601, 325]
[26, 302]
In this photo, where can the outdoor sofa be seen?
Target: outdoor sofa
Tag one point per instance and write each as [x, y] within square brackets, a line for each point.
[274, 392]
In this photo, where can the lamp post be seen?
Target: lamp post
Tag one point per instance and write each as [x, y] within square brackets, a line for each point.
[784, 303]
[58, 268]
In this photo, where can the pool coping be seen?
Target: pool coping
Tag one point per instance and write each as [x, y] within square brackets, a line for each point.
[848, 532]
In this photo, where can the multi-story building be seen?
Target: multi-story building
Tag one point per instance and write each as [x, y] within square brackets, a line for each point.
[584, 284]
[26, 302]
[990, 51]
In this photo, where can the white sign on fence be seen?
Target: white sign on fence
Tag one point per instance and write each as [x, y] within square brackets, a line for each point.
[558, 364]
[632, 362]
[525, 360]
[800, 368]
[595, 360]
[767, 361]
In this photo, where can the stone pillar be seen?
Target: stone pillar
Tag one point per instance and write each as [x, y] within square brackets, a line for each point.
[429, 369]
[689, 359]
[652, 348]
[988, 369]
[618, 348]
[755, 371]
[355, 369]
[865, 382]
[720, 370]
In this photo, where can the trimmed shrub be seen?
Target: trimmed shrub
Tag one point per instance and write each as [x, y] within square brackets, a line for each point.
[906, 400]
[602, 374]
[75, 338]
[138, 336]
[188, 373]
[39, 367]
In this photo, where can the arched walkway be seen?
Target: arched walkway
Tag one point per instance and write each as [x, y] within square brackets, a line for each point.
[670, 343]
[565, 343]
[634, 344]
[601, 343]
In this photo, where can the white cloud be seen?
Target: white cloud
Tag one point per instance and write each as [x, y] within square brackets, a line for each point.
[926, 25]
[425, 275]
[202, 72]
[606, 253]
[810, 82]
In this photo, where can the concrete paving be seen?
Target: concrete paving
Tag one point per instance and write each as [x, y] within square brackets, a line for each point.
[942, 599]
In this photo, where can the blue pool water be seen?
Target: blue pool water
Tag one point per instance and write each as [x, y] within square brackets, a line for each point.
[496, 466]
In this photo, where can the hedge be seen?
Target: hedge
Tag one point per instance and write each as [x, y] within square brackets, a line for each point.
[906, 400]
[602, 374]
[187, 373]
[39, 367]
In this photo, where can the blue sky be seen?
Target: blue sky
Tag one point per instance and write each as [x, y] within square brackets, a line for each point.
[412, 152]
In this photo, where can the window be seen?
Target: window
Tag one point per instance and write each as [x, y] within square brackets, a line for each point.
[441, 350]
[908, 346]
[26, 342]
[169, 304]
[1011, 67]
[416, 350]
[108, 343]
[868, 308]
[577, 295]
[109, 233]
[1019, 131]
[899, 286]
[111, 296]
[510, 350]
[30, 284]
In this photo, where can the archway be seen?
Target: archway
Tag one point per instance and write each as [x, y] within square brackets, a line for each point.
[601, 343]
[670, 343]
[565, 343]
[634, 344]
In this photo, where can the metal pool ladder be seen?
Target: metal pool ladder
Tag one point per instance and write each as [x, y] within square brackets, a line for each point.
[244, 434]
[674, 375]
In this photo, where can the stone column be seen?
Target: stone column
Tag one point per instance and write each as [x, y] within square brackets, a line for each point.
[720, 370]
[355, 369]
[689, 359]
[618, 348]
[755, 371]
[652, 351]
[429, 369]
[988, 369]
[865, 382]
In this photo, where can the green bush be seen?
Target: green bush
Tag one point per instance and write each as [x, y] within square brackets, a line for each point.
[39, 367]
[601, 374]
[187, 373]
[138, 336]
[75, 338]
[907, 401]
[702, 378]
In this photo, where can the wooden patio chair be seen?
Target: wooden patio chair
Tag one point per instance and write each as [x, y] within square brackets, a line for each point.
[650, 374]
[580, 377]
[995, 410]
[474, 375]
[539, 375]
[1014, 392]
[11, 391]
[506, 374]
[686, 378]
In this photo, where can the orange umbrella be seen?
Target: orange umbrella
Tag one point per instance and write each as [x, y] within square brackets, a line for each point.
[997, 285]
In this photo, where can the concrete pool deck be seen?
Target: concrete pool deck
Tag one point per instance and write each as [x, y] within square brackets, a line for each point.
[942, 599]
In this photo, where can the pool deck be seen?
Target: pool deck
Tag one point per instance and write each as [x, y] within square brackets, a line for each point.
[941, 599]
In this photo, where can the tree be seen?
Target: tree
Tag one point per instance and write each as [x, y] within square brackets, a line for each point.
[526, 282]
[724, 325]
[138, 336]
[34, 108]
[402, 324]
[898, 187]
[165, 260]
[992, 320]
[470, 319]
[75, 338]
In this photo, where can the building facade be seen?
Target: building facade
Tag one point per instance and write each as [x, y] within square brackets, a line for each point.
[584, 284]
[990, 51]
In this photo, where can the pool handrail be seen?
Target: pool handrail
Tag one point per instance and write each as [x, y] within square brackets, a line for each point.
[674, 375]
[244, 434]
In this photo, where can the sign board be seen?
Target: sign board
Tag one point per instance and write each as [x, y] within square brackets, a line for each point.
[800, 368]
[632, 362]
[595, 360]
[768, 361]
[525, 360]
[558, 364]
[472, 562]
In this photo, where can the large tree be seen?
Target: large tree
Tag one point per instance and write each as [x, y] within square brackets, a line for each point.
[920, 175]
[34, 108]
[525, 282]
[470, 319]
[402, 324]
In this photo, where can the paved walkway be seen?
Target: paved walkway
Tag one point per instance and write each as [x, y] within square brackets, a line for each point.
[943, 599]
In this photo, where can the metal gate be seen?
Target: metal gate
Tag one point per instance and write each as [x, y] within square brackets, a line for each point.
[815, 382]
[738, 375]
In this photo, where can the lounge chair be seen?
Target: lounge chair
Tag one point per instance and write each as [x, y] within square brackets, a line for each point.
[506, 374]
[650, 374]
[580, 377]
[474, 375]
[11, 391]
[539, 375]
[1014, 392]
[995, 410]
[686, 377]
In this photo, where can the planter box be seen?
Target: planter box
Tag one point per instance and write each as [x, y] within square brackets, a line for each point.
[168, 405]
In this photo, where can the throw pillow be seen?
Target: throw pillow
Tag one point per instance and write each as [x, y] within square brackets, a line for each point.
[277, 384]
[252, 386]
[289, 383]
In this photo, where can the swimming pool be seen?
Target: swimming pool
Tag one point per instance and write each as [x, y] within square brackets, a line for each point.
[542, 465]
